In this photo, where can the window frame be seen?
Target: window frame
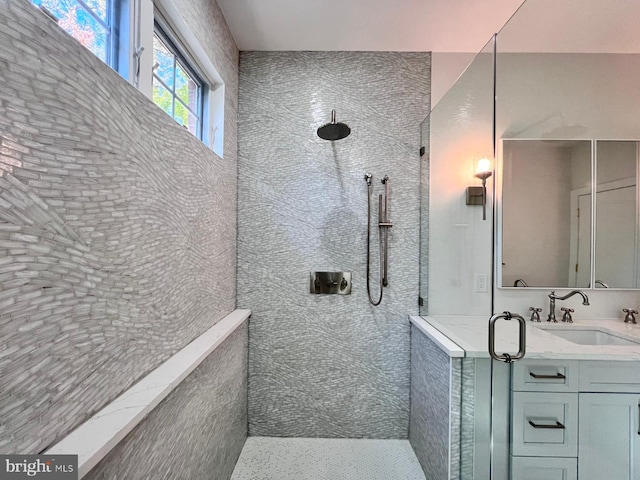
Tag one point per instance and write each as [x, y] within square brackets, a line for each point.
[165, 34]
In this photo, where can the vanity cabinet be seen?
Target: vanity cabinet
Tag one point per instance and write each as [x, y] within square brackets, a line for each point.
[575, 419]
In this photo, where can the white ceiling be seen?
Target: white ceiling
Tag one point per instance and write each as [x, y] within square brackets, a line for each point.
[366, 25]
[434, 25]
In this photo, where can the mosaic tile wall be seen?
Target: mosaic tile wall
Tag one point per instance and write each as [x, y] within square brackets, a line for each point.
[328, 365]
[117, 230]
[467, 418]
[207, 427]
[455, 406]
[432, 402]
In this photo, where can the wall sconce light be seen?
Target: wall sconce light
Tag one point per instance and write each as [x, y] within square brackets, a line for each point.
[478, 195]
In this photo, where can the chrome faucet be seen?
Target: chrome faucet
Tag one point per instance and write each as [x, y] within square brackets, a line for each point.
[552, 302]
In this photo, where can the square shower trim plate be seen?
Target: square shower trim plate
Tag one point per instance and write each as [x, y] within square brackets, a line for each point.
[330, 283]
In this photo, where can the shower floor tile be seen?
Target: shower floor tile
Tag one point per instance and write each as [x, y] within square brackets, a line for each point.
[270, 458]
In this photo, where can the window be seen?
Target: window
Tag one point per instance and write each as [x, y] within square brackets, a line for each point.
[177, 88]
[166, 63]
[91, 22]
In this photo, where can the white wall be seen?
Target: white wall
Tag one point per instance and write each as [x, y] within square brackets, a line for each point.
[459, 240]
[446, 68]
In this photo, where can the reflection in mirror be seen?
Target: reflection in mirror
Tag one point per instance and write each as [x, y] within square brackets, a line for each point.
[546, 213]
[616, 252]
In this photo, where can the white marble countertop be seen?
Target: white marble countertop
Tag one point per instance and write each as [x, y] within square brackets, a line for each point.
[471, 335]
[440, 339]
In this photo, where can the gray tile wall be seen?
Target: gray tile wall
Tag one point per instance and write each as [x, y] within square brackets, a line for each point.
[327, 366]
[197, 432]
[117, 229]
[455, 405]
[467, 418]
[433, 373]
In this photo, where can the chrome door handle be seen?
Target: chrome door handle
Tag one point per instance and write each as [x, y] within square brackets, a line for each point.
[522, 337]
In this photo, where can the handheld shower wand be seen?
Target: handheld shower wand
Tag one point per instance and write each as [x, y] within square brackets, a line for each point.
[383, 224]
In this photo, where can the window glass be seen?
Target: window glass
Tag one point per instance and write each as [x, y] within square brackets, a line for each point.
[163, 62]
[88, 21]
[99, 7]
[162, 96]
[176, 87]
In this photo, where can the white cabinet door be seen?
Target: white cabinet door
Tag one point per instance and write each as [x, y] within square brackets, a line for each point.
[608, 439]
[543, 468]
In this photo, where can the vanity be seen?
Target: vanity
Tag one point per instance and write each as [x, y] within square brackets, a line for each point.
[569, 410]
[567, 230]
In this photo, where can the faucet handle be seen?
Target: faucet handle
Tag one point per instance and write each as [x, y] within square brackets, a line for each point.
[630, 315]
[535, 314]
[566, 317]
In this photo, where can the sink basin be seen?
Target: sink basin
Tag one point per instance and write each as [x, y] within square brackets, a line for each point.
[590, 336]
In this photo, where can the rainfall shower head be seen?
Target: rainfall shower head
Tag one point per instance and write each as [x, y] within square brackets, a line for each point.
[333, 130]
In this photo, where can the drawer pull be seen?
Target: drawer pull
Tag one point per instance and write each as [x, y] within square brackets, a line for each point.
[557, 376]
[557, 426]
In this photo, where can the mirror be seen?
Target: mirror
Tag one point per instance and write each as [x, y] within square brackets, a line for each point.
[616, 238]
[547, 214]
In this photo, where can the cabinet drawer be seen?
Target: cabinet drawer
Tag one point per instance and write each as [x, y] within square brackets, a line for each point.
[545, 376]
[544, 468]
[544, 424]
[603, 376]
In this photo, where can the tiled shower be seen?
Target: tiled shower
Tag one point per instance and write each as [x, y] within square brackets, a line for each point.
[302, 207]
[123, 238]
